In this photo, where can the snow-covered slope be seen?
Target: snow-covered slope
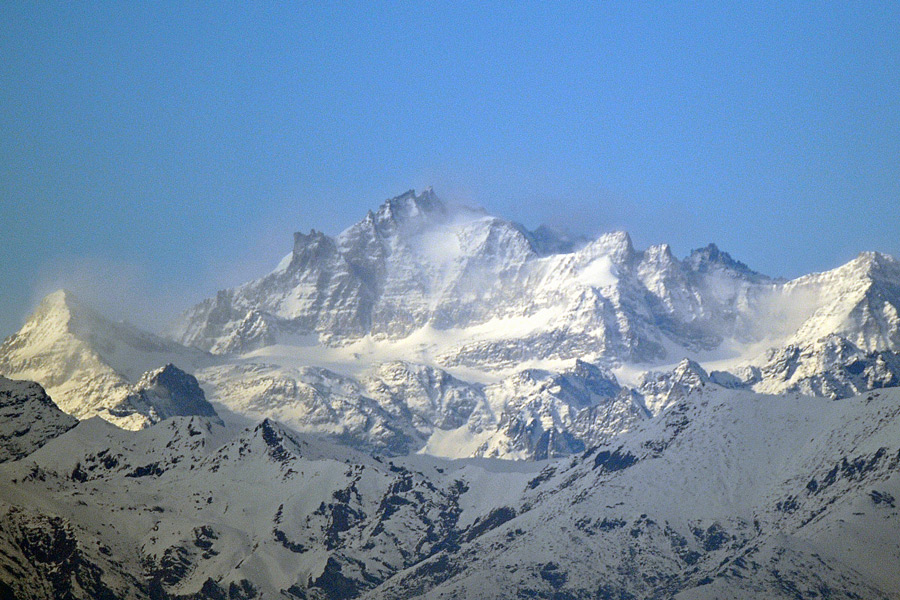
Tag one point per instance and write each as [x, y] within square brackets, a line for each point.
[859, 301]
[831, 366]
[92, 366]
[441, 328]
[164, 511]
[478, 291]
[28, 418]
[728, 494]
[401, 407]
[424, 282]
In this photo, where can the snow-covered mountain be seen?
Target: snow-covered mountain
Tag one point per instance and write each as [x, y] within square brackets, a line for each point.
[454, 287]
[400, 407]
[439, 329]
[368, 385]
[728, 494]
[479, 291]
[92, 366]
[28, 418]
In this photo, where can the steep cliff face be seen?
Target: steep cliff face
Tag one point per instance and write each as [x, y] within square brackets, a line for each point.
[511, 294]
[425, 282]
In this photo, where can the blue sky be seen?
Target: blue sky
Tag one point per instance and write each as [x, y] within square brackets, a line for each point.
[151, 153]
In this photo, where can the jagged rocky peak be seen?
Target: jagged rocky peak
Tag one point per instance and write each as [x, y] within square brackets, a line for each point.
[832, 366]
[664, 276]
[407, 213]
[277, 441]
[661, 389]
[265, 444]
[311, 247]
[710, 258]
[687, 372]
[690, 370]
[597, 380]
[416, 265]
[28, 418]
[162, 394]
[659, 254]
[409, 206]
[175, 392]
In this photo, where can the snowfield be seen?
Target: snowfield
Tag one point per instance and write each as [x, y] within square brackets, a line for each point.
[727, 493]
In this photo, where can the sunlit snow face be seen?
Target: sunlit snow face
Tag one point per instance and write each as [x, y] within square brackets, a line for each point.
[451, 240]
[600, 272]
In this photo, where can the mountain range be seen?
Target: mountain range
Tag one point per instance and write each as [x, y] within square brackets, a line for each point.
[726, 494]
[668, 427]
[438, 328]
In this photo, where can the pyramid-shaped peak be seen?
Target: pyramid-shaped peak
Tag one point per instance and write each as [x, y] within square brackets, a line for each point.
[62, 311]
[659, 253]
[57, 310]
[876, 261]
[271, 430]
[61, 300]
[279, 443]
[619, 238]
[307, 239]
[688, 367]
[617, 245]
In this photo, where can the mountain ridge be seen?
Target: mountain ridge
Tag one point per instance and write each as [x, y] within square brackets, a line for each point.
[426, 327]
[700, 503]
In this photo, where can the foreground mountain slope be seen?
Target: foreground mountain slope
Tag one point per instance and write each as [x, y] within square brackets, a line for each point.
[728, 494]
[28, 418]
[268, 512]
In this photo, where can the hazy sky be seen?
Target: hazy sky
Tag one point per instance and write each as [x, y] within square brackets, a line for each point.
[151, 153]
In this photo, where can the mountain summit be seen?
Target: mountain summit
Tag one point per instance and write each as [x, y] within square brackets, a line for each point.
[89, 364]
[431, 327]
[507, 293]
[474, 291]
